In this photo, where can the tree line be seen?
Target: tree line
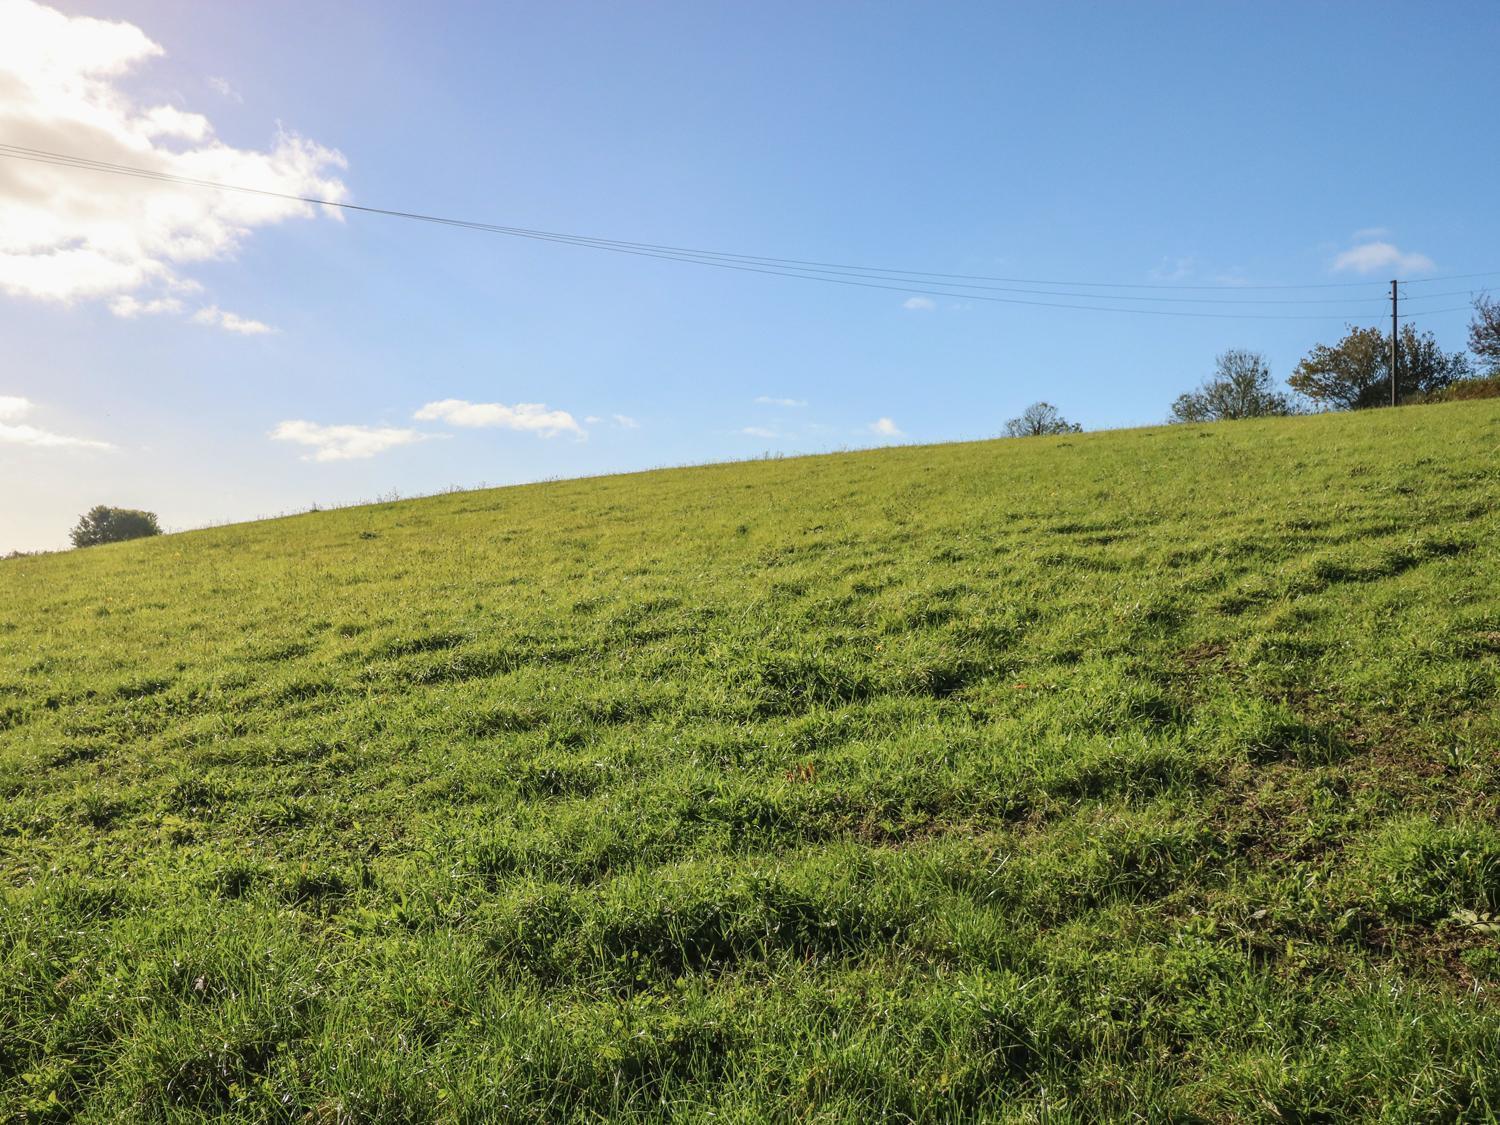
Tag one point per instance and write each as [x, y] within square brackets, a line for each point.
[1352, 374]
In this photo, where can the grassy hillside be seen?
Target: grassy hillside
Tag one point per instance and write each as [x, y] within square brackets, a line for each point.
[1118, 775]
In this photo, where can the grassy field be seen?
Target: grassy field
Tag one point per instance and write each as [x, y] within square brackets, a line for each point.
[1147, 774]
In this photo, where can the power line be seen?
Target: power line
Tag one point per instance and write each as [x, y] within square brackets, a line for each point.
[833, 273]
[1435, 296]
[723, 260]
[1436, 312]
[1451, 277]
[20, 152]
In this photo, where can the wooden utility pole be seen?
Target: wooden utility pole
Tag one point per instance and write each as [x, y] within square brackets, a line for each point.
[1395, 353]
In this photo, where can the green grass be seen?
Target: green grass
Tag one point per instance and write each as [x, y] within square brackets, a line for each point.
[1143, 775]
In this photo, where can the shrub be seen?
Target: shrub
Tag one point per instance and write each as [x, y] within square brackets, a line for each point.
[1464, 389]
[103, 524]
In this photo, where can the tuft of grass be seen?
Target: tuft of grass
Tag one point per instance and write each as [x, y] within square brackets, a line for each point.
[1142, 775]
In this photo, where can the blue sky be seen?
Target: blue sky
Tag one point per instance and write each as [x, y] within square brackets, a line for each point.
[1150, 144]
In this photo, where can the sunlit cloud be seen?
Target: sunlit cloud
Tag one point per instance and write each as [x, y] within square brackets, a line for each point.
[1372, 257]
[13, 431]
[919, 304]
[230, 322]
[886, 428]
[128, 308]
[532, 417]
[770, 400]
[68, 235]
[345, 443]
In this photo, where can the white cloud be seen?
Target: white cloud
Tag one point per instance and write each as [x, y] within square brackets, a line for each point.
[31, 435]
[768, 400]
[13, 408]
[222, 87]
[230, 322]
[128, 307]
[1368, 257]
[68, 235]
[758, 431]
[1365, 234]
[625, 422]
[528, 416]
[919, 304]
[885, 428]
[345, 443]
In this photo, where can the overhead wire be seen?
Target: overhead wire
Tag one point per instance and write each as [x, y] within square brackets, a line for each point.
[1451, 277]
[948, 285]
[1435, 312]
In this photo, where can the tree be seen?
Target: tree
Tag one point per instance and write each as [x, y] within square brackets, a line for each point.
[1040, 419]
[1356, 372]
[1484, 332]
[103, 524]
[1240, 387]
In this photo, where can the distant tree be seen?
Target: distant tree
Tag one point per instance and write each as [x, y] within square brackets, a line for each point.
[1040, 419]
[104, 524]
[1355, 372]
[1240, 387]
[1484, 332]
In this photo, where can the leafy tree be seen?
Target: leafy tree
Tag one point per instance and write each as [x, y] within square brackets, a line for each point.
[1040, 419]
[1240, 387]
[1355, 372]
[1484, 332]
[103, 524]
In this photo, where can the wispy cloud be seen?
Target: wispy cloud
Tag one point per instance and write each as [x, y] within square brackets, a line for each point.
[919, 304]
[13, 431]
[532, 417]
[625, 422]
[67, 236]
[1174, 269]
[128, 308]
[758, 431]
[771, 400]
[230, 322]
[1365, 234]
[1370, 257]
[222, 87]
[886, 428]
[345, 443]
